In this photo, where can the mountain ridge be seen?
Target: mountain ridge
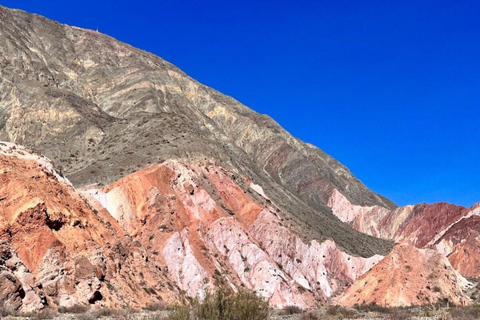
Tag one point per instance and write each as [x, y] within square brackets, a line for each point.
[171, 177]
[242, 110]
[101, 109]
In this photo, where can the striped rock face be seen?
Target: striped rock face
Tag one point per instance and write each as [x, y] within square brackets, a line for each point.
[451, 230]
[408, 276]
[184, 185]
[201, 221]
[56, 250]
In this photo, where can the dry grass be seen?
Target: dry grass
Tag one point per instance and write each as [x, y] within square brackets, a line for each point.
[310, 316]
[338, 310]
[289, 310]
[466, 313]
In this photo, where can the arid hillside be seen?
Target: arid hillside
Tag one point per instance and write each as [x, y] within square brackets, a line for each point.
[147, 187]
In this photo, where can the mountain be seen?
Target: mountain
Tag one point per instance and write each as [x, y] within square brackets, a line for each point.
[204, 220]
[409, 276]
[199, 183]
[451, 230]
[91, 103]
[164, 187]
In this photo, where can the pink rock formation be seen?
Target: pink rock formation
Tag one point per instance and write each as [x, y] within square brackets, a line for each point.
[419, 225]
[408, 276]
[451, 230]
[172, 230]
[461, 243]
[199, 221]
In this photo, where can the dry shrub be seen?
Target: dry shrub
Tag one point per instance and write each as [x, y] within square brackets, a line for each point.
[224, 304]
[42, 314]
[466, 313]
[309, 316]
[373, 307]
[180, 313]
[155, 307]
[76, 309]
[339, 310]
[289, 310]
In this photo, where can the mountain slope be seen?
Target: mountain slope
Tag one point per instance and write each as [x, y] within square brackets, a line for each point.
[186, 185]
[204, 221]
[408, 276]
[55, 250]
[452, 230]
[101, 109]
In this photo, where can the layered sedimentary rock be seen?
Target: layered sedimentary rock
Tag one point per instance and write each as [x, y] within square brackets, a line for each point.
[461, 243]
[451, 230]
[204, 221]
[419, 224]
[409, 276]
[55, 250]
[101, 109]
[185, 186]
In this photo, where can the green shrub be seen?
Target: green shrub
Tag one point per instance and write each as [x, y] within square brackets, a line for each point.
[247, 305]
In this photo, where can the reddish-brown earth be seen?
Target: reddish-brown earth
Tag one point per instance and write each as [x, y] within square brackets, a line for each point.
[419, 225]
[201, 221]
[461, 243]
[174, 229]
[102, 109]
[452, 230]
[408, 276]
[56, 250]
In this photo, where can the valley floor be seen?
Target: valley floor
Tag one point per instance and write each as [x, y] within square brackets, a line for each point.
[329, 313]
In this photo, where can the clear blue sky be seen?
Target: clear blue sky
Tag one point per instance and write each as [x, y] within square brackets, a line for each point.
[389, 88]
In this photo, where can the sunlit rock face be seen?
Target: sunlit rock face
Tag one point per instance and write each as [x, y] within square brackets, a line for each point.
[419, 224]
[408, 276]
[55, 250]
[101, 109]
[461, 243]
[201, 221]
[184, 185]
[451, 230]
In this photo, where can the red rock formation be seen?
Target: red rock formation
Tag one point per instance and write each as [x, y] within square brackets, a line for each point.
[452, 230]
[201, 221]
[465, 257]
[461, 243]
[56, 250]
[419, 225]
[186, 225]
[408, 276]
